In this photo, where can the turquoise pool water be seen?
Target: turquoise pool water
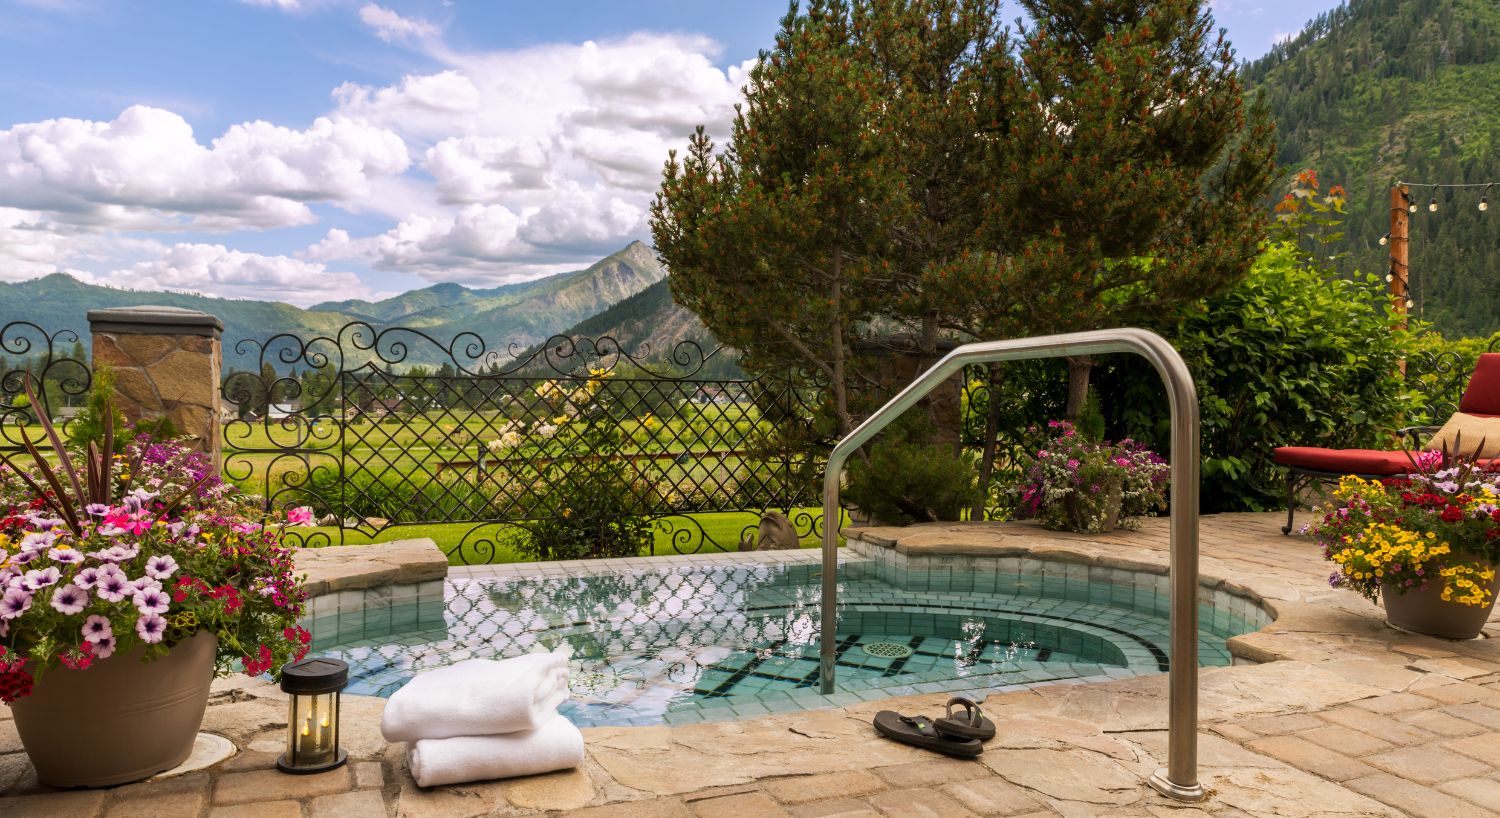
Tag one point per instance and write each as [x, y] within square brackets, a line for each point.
[683, 640]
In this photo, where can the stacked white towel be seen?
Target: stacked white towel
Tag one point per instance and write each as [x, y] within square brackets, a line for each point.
[483, 719]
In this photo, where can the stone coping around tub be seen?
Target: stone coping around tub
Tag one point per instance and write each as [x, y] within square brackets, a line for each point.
[354, 567]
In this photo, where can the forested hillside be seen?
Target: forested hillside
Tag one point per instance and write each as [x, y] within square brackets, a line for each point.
[1380, 90]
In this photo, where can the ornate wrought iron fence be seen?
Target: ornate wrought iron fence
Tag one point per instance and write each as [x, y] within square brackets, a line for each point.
[381, 428]
[1439, 378]
[60, 377]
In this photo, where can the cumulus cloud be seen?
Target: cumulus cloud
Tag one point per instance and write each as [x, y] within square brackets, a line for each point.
[561, 144]
[216, 269]
[33, 245]
[493, 165]
[390, 26]
[147, 170]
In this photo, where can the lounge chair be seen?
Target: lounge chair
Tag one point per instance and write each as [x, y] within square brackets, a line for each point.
[1306, 464]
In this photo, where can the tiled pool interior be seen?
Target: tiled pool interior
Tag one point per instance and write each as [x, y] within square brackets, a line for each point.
[682, 639]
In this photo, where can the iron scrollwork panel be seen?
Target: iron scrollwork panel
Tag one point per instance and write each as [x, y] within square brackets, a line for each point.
[381, 428]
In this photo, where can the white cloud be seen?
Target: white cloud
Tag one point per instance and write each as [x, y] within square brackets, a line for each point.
[32, 245]
[215, 269]
[567, 141]
[492, 166]
[147, 170]
[283, 5]
[390, 26]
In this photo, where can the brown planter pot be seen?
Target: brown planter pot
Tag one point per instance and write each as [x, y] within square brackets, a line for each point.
[1426, 613]
[121, 720]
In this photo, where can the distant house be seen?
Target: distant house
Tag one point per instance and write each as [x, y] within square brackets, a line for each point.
[64, 414]
[282, 411]
[228, 411]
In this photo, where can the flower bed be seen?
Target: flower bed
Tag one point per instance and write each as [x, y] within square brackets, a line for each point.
[1089, 486]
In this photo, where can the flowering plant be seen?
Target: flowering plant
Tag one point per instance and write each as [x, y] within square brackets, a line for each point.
[1077, 484]
[1442, 522]
[99, 560]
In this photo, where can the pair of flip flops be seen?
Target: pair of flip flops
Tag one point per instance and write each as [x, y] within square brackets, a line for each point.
[960, 735]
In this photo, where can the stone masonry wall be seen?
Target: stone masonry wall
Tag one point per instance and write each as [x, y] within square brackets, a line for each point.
[160, 375]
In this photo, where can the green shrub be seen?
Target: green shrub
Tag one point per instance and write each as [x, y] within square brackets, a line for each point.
[909, 479]
[88, 425]
[589, 507]
[1289, 357]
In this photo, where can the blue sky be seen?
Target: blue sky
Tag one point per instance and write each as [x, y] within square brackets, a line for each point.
[325, 149]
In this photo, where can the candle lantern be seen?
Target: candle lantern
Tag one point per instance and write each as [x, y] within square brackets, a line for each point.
[312, 738]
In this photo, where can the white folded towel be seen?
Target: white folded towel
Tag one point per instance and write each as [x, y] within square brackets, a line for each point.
[478, 697]
[556, 745]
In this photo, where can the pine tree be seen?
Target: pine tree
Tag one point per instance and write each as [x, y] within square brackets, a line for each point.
[1126, 176]
[783, 243]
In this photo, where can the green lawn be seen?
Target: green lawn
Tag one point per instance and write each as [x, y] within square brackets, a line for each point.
[723, 527]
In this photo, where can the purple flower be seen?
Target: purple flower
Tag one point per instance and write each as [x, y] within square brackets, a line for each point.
[39, 578]
[150, 628]
[145, 584]
[137, 500]
[112, 587]
[97, 628]
[161, 567]
[66, 556]
[87, 577]
[15, 602]
[96, 509]
[117, 553]
[69, 599]
[104, 648]
[38, 541]
[23, 557]
[149, 601]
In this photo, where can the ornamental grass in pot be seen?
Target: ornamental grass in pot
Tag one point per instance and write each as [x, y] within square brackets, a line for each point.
[1425, 545]
[127, 580]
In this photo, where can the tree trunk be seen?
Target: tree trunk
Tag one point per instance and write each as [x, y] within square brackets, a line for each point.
[1079, 367]
[840, 387]
[991, 433]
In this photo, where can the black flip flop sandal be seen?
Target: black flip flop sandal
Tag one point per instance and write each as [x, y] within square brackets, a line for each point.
[918, 732]
[970, 724]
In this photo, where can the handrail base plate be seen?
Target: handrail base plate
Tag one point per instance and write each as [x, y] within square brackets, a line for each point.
[1163, 785]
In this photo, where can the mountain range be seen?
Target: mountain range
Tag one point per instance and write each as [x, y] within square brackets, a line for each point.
[511, 316]
[1377, 91]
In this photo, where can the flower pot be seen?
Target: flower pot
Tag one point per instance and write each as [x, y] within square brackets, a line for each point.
[1094, 512]
[121, 720]
[1424, 611]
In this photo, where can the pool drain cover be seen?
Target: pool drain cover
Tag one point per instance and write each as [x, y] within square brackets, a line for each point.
[887, 650]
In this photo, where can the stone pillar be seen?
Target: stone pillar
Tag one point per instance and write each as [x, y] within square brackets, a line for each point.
[166, 363]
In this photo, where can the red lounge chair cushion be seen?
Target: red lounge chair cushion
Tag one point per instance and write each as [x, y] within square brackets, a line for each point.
[1482, 397]
[1343, 461]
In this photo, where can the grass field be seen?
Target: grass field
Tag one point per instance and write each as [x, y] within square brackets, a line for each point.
[723, 528]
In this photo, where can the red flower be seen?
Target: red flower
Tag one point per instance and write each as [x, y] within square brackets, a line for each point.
[1452, 514]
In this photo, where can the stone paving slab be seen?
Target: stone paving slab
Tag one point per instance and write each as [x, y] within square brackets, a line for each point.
[1329, 713]
[356, 567]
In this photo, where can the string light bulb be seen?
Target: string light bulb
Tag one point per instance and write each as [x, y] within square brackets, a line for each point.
[1411, 204]
[1410, 303]
[1386, 239]
[1432, 205]
[1484, 199]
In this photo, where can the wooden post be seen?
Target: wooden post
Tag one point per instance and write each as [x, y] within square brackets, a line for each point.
[1400, 272]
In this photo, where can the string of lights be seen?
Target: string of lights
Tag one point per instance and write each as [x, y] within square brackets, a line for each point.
[1394, 276]
[1432, 203]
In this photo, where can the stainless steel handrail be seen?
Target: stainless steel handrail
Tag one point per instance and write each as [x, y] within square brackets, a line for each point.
[1180, 778]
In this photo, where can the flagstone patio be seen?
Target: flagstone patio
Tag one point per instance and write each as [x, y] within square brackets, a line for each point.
[1332, 714]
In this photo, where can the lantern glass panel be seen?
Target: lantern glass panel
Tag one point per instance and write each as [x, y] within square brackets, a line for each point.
[313, 723]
